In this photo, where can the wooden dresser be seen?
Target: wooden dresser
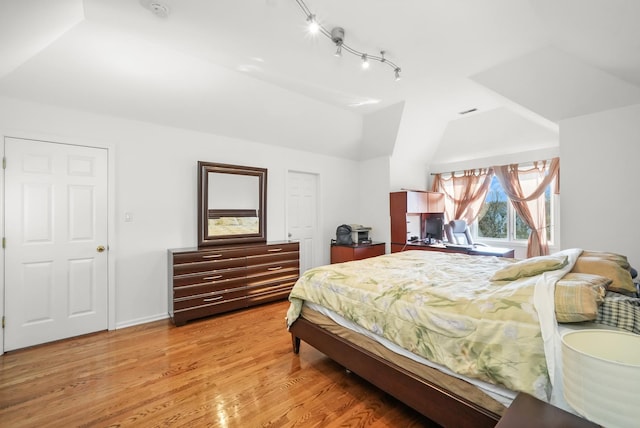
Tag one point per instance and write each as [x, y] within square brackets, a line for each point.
[212, 280]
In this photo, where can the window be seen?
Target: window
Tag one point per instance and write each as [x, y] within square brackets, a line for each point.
[498, 219]
[493, 220]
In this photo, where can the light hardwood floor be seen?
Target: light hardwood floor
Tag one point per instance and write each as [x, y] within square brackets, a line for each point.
[232, 370]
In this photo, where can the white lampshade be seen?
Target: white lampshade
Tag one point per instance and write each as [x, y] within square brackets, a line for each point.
[601, 375]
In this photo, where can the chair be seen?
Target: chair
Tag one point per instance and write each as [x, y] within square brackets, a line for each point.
[458, 233]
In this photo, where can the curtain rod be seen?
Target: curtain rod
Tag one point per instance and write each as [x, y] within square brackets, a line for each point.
[528, 163]
[460, 170]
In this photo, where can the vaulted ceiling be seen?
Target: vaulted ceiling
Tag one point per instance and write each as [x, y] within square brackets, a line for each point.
[248, 69]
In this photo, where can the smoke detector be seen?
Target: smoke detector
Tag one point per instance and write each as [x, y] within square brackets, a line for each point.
[156, 7]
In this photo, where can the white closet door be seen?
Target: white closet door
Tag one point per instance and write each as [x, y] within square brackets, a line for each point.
[302, 219]
[56, 241]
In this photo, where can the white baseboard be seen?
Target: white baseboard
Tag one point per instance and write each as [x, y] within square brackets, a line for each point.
[144, 320]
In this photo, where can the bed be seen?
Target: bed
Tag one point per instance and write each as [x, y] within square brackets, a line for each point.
[469, 362]
[227, 222]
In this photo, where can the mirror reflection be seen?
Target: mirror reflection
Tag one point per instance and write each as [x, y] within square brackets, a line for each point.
[233, 204]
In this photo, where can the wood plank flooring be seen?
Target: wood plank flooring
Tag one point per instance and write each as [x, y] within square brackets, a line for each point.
[232, 370]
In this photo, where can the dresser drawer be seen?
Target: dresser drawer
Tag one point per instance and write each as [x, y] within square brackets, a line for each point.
[181, 316]
[208, 266]
[270, 286]
[211, 287]
[272, 270]
[269, 293]
[209, 299]
[273, 258]
[263, 281]
[207, 256]
[286, 247]
[209, 277]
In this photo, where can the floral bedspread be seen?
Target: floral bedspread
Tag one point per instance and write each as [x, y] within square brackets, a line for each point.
[443, 307]
[233, 226]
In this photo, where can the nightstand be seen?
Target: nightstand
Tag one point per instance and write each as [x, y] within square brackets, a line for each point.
[347, 253]
[529, 412]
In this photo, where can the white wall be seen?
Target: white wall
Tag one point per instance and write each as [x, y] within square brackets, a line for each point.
[600, 185]
[407, 174]
[519, 157]
[380, 131]
[156, 174]
[373, 199]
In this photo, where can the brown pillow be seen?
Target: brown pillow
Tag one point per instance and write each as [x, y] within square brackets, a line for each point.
[618, 258]
[530, 267]
[595, 265]
[578, 295]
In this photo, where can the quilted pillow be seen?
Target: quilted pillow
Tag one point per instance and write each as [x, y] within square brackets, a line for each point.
[530, 267]
[621, 281]
[578, 296]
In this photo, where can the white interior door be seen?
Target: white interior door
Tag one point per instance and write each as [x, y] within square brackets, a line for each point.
[56, 241]
[302, 215]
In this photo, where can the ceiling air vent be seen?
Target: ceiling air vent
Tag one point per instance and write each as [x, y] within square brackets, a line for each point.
[471, 110]
[157, 8]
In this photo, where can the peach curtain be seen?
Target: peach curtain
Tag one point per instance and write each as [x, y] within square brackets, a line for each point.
[525, 189]
[464, 194]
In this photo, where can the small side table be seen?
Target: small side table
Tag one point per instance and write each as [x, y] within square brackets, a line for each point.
[347, 253]
[529, 412]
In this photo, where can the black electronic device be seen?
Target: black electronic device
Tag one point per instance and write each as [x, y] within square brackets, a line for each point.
[433, 229]
[360, 234]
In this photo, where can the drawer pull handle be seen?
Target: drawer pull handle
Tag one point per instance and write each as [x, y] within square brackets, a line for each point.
[213, 299]
[212, 256]
[275, 268]
[275, 250]
[211, 278]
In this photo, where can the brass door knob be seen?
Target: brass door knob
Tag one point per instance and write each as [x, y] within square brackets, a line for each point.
[100, 248]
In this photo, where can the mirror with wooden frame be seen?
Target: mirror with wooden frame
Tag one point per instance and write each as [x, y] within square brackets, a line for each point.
[232, 202]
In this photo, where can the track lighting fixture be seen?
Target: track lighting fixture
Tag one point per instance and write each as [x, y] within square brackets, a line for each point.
[337, 37]
[365, 62]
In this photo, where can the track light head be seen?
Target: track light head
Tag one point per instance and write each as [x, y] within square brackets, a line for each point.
[365, 61]
[314, 27]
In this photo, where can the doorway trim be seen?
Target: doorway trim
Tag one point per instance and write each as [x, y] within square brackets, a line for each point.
[111, 242]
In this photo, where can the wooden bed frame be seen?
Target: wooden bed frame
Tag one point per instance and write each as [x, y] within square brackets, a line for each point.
[431, 400]
[217, 213]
